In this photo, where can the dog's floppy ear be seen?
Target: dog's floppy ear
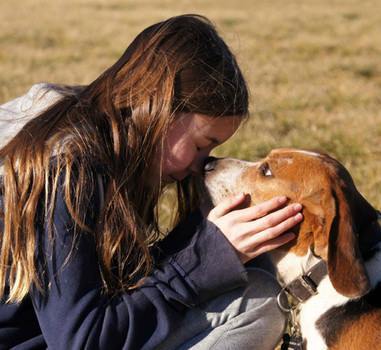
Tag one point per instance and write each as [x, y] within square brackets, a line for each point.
[345, 264]
[334, 215]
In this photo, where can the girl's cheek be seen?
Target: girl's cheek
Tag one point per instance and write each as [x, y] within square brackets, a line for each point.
[184, 159]
[180, 157]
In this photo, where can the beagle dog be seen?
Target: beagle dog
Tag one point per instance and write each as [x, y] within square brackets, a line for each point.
[332, 270]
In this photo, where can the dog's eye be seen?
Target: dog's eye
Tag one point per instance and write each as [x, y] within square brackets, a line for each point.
[265, 169]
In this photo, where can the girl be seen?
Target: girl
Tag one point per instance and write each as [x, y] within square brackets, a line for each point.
[82, 170]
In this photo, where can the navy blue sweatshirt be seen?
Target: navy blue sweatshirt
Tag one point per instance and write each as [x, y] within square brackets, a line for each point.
[196, 263]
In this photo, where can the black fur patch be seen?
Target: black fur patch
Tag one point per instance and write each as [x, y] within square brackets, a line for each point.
[374, 296]
[332, 322]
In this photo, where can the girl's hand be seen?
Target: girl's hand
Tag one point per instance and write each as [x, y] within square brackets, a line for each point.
[253, 231]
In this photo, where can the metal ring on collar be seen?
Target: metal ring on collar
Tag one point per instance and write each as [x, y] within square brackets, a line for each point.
[284, 308]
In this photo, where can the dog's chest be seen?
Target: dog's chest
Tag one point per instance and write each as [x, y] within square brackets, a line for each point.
[313, 309]
[288, 268]
[326, 300]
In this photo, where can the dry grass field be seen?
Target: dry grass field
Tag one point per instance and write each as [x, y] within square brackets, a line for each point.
[313, 66]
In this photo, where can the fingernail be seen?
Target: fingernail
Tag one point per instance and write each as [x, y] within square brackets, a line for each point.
[298, 216]
[282, 199]
[297, 206]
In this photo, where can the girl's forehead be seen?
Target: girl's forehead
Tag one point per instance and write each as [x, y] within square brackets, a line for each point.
[217, 124]
[201, 125]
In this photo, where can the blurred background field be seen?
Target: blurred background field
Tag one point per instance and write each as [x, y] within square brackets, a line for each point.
[314, 67]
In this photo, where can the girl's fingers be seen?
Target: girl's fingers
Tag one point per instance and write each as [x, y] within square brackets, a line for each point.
[253, 231]
[260, 210]
[273, 220]
[273, 232]
[269, 245]
[226, 206]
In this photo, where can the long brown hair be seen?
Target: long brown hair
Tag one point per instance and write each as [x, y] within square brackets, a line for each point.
[114, 124]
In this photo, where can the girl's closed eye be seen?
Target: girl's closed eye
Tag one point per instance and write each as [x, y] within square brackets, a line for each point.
[202, 147]
[209, 142]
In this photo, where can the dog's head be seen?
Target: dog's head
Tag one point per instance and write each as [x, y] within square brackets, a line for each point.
[335, 214]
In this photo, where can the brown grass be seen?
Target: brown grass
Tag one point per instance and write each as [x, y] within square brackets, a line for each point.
[313, 66]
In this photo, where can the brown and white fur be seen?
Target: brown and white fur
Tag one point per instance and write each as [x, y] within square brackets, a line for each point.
[339, 226]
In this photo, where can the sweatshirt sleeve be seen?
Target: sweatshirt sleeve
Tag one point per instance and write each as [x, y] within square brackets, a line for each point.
[74, 314]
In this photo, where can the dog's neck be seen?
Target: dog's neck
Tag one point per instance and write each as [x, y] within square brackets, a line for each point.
[289, 265]
[327, 298]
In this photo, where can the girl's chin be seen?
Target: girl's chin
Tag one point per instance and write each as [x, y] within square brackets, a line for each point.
[171, 179]
[168, 180]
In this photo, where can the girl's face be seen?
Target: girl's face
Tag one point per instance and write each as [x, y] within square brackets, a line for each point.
[188, 143]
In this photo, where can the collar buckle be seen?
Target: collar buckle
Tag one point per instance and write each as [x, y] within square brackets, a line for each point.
[305, 286]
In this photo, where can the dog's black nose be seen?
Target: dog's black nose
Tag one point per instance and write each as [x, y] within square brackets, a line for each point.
[209, 164]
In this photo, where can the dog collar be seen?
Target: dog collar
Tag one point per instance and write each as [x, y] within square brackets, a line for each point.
[305, 286]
